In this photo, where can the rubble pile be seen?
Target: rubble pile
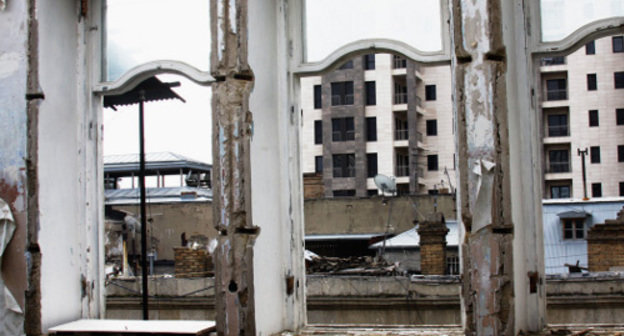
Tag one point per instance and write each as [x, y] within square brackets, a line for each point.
[359, 265]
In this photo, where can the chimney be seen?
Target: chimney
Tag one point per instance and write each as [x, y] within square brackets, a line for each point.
[433, 245]
[605, 245]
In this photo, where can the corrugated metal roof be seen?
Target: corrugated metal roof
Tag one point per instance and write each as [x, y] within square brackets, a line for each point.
[573, 214]
[411, 238]
[152, 89]
[348, 236]
[158, 195]
[161, 161]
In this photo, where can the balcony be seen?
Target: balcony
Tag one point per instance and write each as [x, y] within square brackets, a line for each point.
[402, 170]
[558, 167]
[400, 98]
[557, 60]
[342, 100]
[559, 94]
[401, 134]
[558, 131]
[398, 62]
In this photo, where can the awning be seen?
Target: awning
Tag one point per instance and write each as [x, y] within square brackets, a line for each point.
[152, 89]
[573, 214]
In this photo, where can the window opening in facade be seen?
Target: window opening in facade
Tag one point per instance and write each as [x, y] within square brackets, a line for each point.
[558, 161]
[344, 165]
[618, 44]
[556, 89]
[619, 116]
[621, 188]
[344, 193]
[318, 132]
[620, 153]
[402, 163]
[573, 228]
[400, 90]
[590, 48]
[398, 62]
[594, 120]
[558, 125]
[370, 92]
[346, 65]
[432, 127]
[557, 60]
[400, 126]
[430, 92]
[618, 79]
[318, 97]
[432, 162]
[342, 93]
[369, 62]
[371, 163]
[318, 164]
[596, 189]
[371, 129]
[343, 129]
[594, 154]
[591, 82]
[560, 191]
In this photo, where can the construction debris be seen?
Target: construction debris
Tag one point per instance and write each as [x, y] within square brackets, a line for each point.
[358, 265]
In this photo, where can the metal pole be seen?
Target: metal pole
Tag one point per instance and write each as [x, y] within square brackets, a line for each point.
[582, 153]
[143, 213]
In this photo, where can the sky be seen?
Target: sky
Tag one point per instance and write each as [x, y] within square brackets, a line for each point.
[168, 30]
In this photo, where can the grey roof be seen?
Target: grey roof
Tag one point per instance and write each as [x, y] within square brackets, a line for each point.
[348, 236]
[573, 214]
[158, 195]
[411, 238]
[125, 164]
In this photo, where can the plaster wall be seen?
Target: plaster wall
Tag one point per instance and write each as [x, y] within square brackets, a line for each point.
[170, 220]
[13, 139]
[67, 168]
[369, 215]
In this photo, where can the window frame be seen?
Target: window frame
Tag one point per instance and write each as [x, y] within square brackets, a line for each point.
[576, 225]
[619, 116]
[594, 118]
[594, 154]
[343, 129]
[617, 44]
[318, 132]
[370, 93]
[431, 127]
[344, 91]
[596, 189]
[618, 80]
[433, 162]
[431, 92]
[318, 96]
[344, 164]
[592, 82]
[371, 129]
[590, 48]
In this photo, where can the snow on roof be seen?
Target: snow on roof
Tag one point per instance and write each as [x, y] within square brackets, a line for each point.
[411, 238]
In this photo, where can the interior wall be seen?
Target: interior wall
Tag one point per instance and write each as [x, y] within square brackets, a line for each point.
[67, 139]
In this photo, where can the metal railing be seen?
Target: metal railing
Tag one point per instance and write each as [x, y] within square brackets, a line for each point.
[558, 130]
[559, 167]
[342, 100]
[400, 98]
[402, 170]
[557, 60]
[401, 134]
[559, 94]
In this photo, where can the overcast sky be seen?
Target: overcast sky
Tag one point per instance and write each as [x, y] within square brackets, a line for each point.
[143, 30]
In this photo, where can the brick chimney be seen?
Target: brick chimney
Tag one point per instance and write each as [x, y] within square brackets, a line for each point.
[433, 245]
[605, 245]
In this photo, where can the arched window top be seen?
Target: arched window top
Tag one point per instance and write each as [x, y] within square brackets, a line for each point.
[142, 31]
[333, 28]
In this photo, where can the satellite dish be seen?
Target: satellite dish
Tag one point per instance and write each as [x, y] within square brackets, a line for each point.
[385, 183]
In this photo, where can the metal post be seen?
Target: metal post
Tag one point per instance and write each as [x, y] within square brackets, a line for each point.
[582, 154]
[143, 212]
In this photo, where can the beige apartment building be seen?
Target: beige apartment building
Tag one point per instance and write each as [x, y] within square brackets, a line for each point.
[583, 119]
[384, 114]
[379, 114]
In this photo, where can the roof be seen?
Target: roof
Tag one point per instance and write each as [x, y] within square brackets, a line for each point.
[126, 164]
[573, 214]
[152, 89]
[411, 238]
[158, 195]
[348, 236]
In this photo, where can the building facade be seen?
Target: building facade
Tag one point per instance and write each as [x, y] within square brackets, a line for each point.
[583, 119]
[379, 114]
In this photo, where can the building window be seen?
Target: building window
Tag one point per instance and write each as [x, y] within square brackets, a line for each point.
[618, 44]
[432, 162]
[596, 189]
[318, 100]
[620, 153]
[371, 164]
[369, 62]
[619, 116]
[371, 96]
[557, 125]
[452, 265]
[400, 128]
[591, 82]
[558, 161]
[372, 192]
[557, 60]
[402, 189]
[344, 193]
[344, 165]
[594, 153]
[432, 127]
[400, 93]
[430, 92]
[556, 89]
[398, 62]
[343, 129]
[593, 118]
[346, 65]
[621, 188]
[402, 164]
[618, 79]
[590, 48]
[560, 191]
[371, 129]
[318, 164]
[573, 228]
[342, 93]
[318, 132]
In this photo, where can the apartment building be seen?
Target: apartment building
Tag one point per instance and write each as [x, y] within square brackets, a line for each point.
[583, 120]
[379, 114]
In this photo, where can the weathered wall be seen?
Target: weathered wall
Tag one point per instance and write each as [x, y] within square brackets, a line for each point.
[13, 139]
[370, 215]
[171, 220]
[68, 141]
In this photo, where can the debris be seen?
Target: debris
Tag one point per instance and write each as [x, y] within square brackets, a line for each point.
[358, 265]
